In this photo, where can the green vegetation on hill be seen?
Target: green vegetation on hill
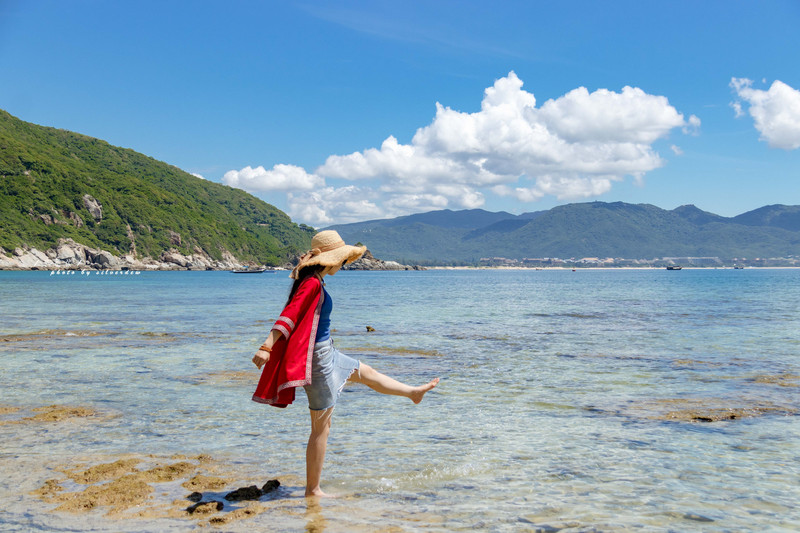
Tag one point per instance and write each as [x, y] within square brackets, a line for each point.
[147, 205]
[778, 216]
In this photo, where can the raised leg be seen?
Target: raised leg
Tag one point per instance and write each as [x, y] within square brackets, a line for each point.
[386, 385]
[315, 451]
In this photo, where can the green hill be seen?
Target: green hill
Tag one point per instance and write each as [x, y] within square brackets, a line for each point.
[51, 178]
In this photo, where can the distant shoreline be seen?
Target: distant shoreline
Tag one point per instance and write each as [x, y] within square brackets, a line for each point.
[136, 271]
[607, 268]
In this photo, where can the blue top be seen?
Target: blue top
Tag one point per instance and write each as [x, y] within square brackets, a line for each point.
[324, 326]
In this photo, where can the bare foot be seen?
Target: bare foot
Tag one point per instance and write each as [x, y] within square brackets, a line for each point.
[318, 494]
[419, 392]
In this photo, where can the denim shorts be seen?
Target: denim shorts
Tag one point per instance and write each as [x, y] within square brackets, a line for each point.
[330, 370]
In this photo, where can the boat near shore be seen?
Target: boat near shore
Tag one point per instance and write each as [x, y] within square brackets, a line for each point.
[252, 271]
[674, 267]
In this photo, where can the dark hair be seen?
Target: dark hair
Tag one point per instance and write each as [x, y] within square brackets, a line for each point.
[304, 273]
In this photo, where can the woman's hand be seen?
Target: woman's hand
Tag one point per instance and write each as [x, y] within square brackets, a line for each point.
[260, 358]
[262, 355]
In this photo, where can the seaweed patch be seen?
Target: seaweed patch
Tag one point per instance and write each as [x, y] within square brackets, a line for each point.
[709, 409]
[52, 413]
[782, 380]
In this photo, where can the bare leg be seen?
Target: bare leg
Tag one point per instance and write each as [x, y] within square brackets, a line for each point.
[315, 452]
[386, 385]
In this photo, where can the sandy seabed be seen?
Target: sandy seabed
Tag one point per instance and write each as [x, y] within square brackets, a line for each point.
[134, 486]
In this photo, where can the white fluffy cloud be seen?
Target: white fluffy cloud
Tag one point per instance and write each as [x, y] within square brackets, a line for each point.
[575, 146]
[330, 205]
[775, 112]
[280, 178]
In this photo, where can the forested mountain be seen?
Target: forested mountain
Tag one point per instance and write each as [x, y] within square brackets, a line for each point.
[595, 229]
[57, 184]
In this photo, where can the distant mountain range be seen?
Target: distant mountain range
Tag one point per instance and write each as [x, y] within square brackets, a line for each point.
[596, 229]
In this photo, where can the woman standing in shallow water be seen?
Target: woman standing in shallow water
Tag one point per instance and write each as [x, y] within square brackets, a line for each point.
[299, 352]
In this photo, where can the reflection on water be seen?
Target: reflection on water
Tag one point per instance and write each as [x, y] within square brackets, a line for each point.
[315, 519]
[592, 400]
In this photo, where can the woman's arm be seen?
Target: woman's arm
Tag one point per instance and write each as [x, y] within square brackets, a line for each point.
[302, 300]
[262, 355]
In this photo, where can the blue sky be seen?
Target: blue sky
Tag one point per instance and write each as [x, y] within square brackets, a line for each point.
[328, 110]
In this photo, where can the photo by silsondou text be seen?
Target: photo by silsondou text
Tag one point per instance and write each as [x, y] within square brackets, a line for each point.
[91, 273]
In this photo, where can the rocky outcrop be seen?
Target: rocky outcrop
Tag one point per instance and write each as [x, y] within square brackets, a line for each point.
[252, 492]
[76, 219]
[132, 238]
[176, 258]
[199, 260]
[69, 255]
[101, 258]
[204, 508]
[174, 237]
[93, 206]
[244, 493]
[369, 262]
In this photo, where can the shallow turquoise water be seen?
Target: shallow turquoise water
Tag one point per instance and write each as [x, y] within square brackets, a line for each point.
[549, 414]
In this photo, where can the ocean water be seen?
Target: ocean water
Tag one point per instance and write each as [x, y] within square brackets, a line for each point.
[569, 401]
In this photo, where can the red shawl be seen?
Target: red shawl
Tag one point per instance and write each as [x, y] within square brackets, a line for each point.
[289, 364]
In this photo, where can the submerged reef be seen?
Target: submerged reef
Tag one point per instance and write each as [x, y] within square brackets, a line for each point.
[121, 489]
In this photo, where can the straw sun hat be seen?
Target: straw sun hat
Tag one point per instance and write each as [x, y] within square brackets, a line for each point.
[328, 249]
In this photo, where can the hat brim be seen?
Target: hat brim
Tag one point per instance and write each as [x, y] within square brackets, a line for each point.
[337, 257]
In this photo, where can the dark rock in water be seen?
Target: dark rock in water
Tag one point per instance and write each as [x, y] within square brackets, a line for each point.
[270, 485]
[195, 497]
[697, 517]
[244, 493]
[204, 508]
[370, 329]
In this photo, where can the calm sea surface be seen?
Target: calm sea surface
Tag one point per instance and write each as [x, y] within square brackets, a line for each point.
[554, 409]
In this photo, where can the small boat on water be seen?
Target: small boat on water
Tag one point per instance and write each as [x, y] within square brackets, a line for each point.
[251, 271]
[674, 267]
